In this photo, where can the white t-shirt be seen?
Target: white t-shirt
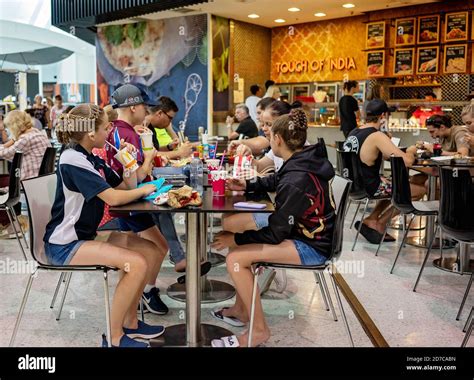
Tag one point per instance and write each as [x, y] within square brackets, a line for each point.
[277, 161]
[251, 103]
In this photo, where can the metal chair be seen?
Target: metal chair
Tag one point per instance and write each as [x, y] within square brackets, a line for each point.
[401, 200]
[49, 162]
[341, 188]
[455, 213]
[39, 193]
[466, 329]
[9, 200]
[324, 149]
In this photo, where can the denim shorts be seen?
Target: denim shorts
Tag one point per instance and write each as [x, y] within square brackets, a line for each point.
[261, 219]
[136, 223]
[308, 255]
[58, 254]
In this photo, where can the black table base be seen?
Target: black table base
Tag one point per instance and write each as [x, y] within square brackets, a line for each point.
[453, 265]
[213, 291]
[175, 336]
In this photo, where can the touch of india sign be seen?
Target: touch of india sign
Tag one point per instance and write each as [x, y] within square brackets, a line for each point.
[304, 66]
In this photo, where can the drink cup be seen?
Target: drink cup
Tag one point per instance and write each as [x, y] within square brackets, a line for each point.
[218, 182]
[158, 162]
[147, 140]
[212, 164]
[127, 160]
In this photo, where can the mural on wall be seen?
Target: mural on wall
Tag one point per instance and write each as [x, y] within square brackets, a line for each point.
[163, 57]
[220, 62]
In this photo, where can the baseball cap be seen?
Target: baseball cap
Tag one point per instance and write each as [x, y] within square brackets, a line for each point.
[378, 107]
[129, 95]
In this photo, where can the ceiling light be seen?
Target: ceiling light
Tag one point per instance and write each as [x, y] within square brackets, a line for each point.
[294, 9]
[348, 5]
[253, 15]
[320, 14]
[280, 20]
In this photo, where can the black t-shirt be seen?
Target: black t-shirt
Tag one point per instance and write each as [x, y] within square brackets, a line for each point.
[248, 128]
[348, 106]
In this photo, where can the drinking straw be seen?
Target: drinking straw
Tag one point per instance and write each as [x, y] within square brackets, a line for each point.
[215, 150]
[222, 159]
[112, 145]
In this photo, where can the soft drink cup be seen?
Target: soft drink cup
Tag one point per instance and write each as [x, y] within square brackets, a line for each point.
[147, 141]
[158, 162]
[127, 160]
[212, 164]
[218, 178]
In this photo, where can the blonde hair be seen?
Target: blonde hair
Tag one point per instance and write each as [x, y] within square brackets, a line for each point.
[112, 113]
[18, 122]
[468, 110]
[81, 120]
[272, 91]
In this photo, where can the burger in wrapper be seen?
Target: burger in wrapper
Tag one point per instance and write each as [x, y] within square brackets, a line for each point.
[184, 196]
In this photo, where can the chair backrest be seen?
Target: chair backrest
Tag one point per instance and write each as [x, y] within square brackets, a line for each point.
[323, 146]
[48, 162]
[14, 182]
[351, 170]
[457, 203]
[341, 188]
[339, 146]
[39, 194]
[401, 192]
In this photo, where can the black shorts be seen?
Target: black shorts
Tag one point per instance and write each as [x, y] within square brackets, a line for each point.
[136, 223]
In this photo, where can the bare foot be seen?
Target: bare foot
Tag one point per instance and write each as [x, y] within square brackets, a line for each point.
[180, 266]
[234, 312]
[258, 337]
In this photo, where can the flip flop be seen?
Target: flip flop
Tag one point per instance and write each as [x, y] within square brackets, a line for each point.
[205, 268]
[226, 342]
[217, 313]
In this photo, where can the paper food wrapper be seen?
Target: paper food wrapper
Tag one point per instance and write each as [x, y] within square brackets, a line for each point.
[241, 164]
[184, 196]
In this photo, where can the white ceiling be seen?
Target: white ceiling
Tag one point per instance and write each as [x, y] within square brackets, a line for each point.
[269, 10]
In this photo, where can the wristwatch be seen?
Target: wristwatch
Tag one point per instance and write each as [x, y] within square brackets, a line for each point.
[169, 148]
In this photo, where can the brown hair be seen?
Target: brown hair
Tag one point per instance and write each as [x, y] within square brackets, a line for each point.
[112, 113]
[292, 128]
[82, 119]
[375, 92]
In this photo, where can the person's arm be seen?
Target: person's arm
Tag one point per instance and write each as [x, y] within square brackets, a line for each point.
[115, 197]
[264, 163]
[385, 145]
[231, 134]
[260, 185]
[257, 144]
[171, 132]
[291, 204]
[145, 169]
[9, 149]
[185, 150]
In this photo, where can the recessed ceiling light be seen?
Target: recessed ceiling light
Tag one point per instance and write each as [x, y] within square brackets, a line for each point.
[320, 14]
[294, 9]
[348, 5]
[280, 20]
[253, 15]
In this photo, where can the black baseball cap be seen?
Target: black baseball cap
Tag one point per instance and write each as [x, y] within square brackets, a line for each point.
[378, 107]
[129, 95]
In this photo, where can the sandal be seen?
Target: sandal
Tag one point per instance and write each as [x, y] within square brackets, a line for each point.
[227, 342]
[217, 313]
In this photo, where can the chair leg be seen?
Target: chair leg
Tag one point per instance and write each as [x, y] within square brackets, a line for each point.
[252, 308]
[21, 228]
[468, 334]
[66, 287]
[328, 295]
[323, 293]
[464, 298]
[12, 220]
[360, 225]
[468, 319]
[22, 308]
[341, 308]
[426, 258]
[385, 231]
[107, 309]
[355, 215]
[403, 242]
[53, 301]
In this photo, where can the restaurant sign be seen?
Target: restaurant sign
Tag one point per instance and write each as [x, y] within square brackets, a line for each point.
[303, 66]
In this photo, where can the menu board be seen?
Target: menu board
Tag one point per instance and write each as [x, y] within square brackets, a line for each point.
[375, 35]
[405, 31]
[427, 60]
[375, 63]
[456, 27]
[428, 29]
[403, 62]
[455, 59]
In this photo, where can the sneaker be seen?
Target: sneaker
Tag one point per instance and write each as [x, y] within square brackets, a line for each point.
[125, 342]
[153, 303]
[265, 280]
[144, 331]
[280, 280]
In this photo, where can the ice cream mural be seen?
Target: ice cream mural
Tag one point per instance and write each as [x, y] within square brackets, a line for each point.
[164, 57]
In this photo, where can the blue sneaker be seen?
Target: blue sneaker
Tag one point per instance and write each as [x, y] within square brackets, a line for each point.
[144, 331]
[153, 303]
[125, 342]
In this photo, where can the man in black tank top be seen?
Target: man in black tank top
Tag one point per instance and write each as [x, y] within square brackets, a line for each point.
[371, 147]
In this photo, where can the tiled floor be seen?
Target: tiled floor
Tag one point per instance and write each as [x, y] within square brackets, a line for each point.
[296, 317]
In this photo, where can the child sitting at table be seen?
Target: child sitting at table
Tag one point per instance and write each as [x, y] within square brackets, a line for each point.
[299, 231]
[85, 184]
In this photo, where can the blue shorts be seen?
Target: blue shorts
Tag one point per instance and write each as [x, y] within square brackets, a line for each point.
[261, 219]
[136, 223]
[58, 254]
[308, 255]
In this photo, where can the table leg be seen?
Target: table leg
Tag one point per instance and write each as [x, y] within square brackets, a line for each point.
[462, 264]
[214, 258]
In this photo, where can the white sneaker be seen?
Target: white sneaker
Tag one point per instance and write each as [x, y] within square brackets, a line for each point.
[280, 280]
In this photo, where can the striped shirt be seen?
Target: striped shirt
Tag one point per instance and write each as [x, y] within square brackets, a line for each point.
[33, 145]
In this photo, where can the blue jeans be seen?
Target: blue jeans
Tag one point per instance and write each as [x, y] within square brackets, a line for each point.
[308, 255]
[164, 221]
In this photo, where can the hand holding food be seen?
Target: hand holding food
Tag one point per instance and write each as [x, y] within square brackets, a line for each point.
[185, 150]
[236, 184]
[243, 150]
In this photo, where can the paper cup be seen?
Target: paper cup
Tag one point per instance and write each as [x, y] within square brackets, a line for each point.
[218, 182]
[147, 141]
[127, 160]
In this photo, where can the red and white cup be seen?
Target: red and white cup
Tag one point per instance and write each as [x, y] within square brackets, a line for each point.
[212, 164]
[218, 178]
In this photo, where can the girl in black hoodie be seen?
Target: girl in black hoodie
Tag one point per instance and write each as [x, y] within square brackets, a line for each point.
[299, 231]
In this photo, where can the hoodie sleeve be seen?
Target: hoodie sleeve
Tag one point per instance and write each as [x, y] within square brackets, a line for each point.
[265, 184]
[291, 204]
